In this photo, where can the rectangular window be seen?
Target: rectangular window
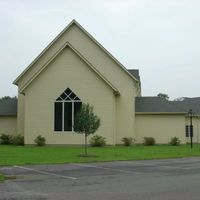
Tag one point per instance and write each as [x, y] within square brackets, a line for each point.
[187, 131]
[77, 106]
[58, 116]
[67, 116]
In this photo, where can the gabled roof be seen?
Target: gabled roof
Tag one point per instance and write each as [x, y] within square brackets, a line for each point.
[67, 44]
[160, 105]
[59, 35]
[8, 107]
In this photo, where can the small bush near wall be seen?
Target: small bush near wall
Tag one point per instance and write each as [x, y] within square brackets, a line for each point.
[17, 140]
[97, 141]
[40, 141]
[127, 141]
[5, 139]
[149, 141]
[175, 141]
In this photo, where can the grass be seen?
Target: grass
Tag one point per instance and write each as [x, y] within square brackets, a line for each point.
[1, 177]
[23, 155]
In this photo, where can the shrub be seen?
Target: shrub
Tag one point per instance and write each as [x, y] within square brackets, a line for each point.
[175, 141]
[40, 141]
[97, 141]
[5, 139]
[149, 141]
[17, 140]
[127, 141]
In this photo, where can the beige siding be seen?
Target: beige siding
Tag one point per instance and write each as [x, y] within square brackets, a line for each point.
[196, 129]
[126, 86]
[20, 114]
[8, 124]
[35, 109]
[67, 70]
[124, 104]
[161, 127]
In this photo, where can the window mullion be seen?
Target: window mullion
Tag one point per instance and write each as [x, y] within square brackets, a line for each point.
[65, 108]
[63, 120]
[72, 115]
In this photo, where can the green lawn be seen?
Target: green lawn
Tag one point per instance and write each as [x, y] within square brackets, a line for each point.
[1, 177]
[22, 155]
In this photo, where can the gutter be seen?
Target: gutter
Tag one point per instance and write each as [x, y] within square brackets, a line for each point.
[160, 113]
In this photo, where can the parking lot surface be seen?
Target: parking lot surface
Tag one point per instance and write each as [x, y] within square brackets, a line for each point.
[167, 179]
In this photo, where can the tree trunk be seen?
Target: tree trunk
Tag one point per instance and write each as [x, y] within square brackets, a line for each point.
[85, 144]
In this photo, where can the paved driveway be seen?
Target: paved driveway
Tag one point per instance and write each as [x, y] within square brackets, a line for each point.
[153, 180]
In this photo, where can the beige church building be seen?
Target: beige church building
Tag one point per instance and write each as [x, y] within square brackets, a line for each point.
[74, 69]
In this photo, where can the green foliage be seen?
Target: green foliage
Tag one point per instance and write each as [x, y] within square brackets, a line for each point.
[97, 141]
[40, 141]
[5, 139]
[175, 141]
[12, 139]
[127, 141]
[7, 98]
[149, 141]
[164, 96]
[17, 140]
[86, 121]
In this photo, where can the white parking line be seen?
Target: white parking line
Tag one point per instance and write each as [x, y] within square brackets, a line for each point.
[107, 168]
[174, 167]
[43, 172]
[144, 164]
[162, 166]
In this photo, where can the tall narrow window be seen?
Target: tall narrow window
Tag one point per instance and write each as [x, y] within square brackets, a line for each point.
[65, 108]
[58, 116]
[187, 132]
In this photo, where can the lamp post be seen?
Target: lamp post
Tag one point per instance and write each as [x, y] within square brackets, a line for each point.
[191, 114]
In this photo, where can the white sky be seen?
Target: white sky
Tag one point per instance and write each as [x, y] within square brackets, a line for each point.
[159, 37]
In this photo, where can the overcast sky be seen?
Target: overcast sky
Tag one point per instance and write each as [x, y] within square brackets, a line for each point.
[161, 38]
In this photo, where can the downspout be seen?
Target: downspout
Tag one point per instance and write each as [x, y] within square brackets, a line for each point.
[114, 120]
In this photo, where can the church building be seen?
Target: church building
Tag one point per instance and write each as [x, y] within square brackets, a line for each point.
[74, 69]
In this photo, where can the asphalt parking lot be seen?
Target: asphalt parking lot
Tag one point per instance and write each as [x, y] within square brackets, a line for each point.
[169, 179]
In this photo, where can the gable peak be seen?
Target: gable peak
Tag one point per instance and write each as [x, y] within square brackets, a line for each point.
[74, 22]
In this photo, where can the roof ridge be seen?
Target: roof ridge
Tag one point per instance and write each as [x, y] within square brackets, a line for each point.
[58, 36]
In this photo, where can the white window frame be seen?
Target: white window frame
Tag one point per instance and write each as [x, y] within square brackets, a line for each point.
[63, 115]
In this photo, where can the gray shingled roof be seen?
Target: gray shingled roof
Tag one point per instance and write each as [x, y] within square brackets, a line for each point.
[189, 103]
[157, 104]
[8, 107]
[135, 73]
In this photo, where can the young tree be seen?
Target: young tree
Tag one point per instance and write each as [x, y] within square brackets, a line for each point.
[164, 96]
[86, 122]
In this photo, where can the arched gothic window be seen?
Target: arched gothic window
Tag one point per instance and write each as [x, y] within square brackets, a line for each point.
[65, 108]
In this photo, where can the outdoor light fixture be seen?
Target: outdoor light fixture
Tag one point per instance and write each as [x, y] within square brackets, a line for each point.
[190, 115]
